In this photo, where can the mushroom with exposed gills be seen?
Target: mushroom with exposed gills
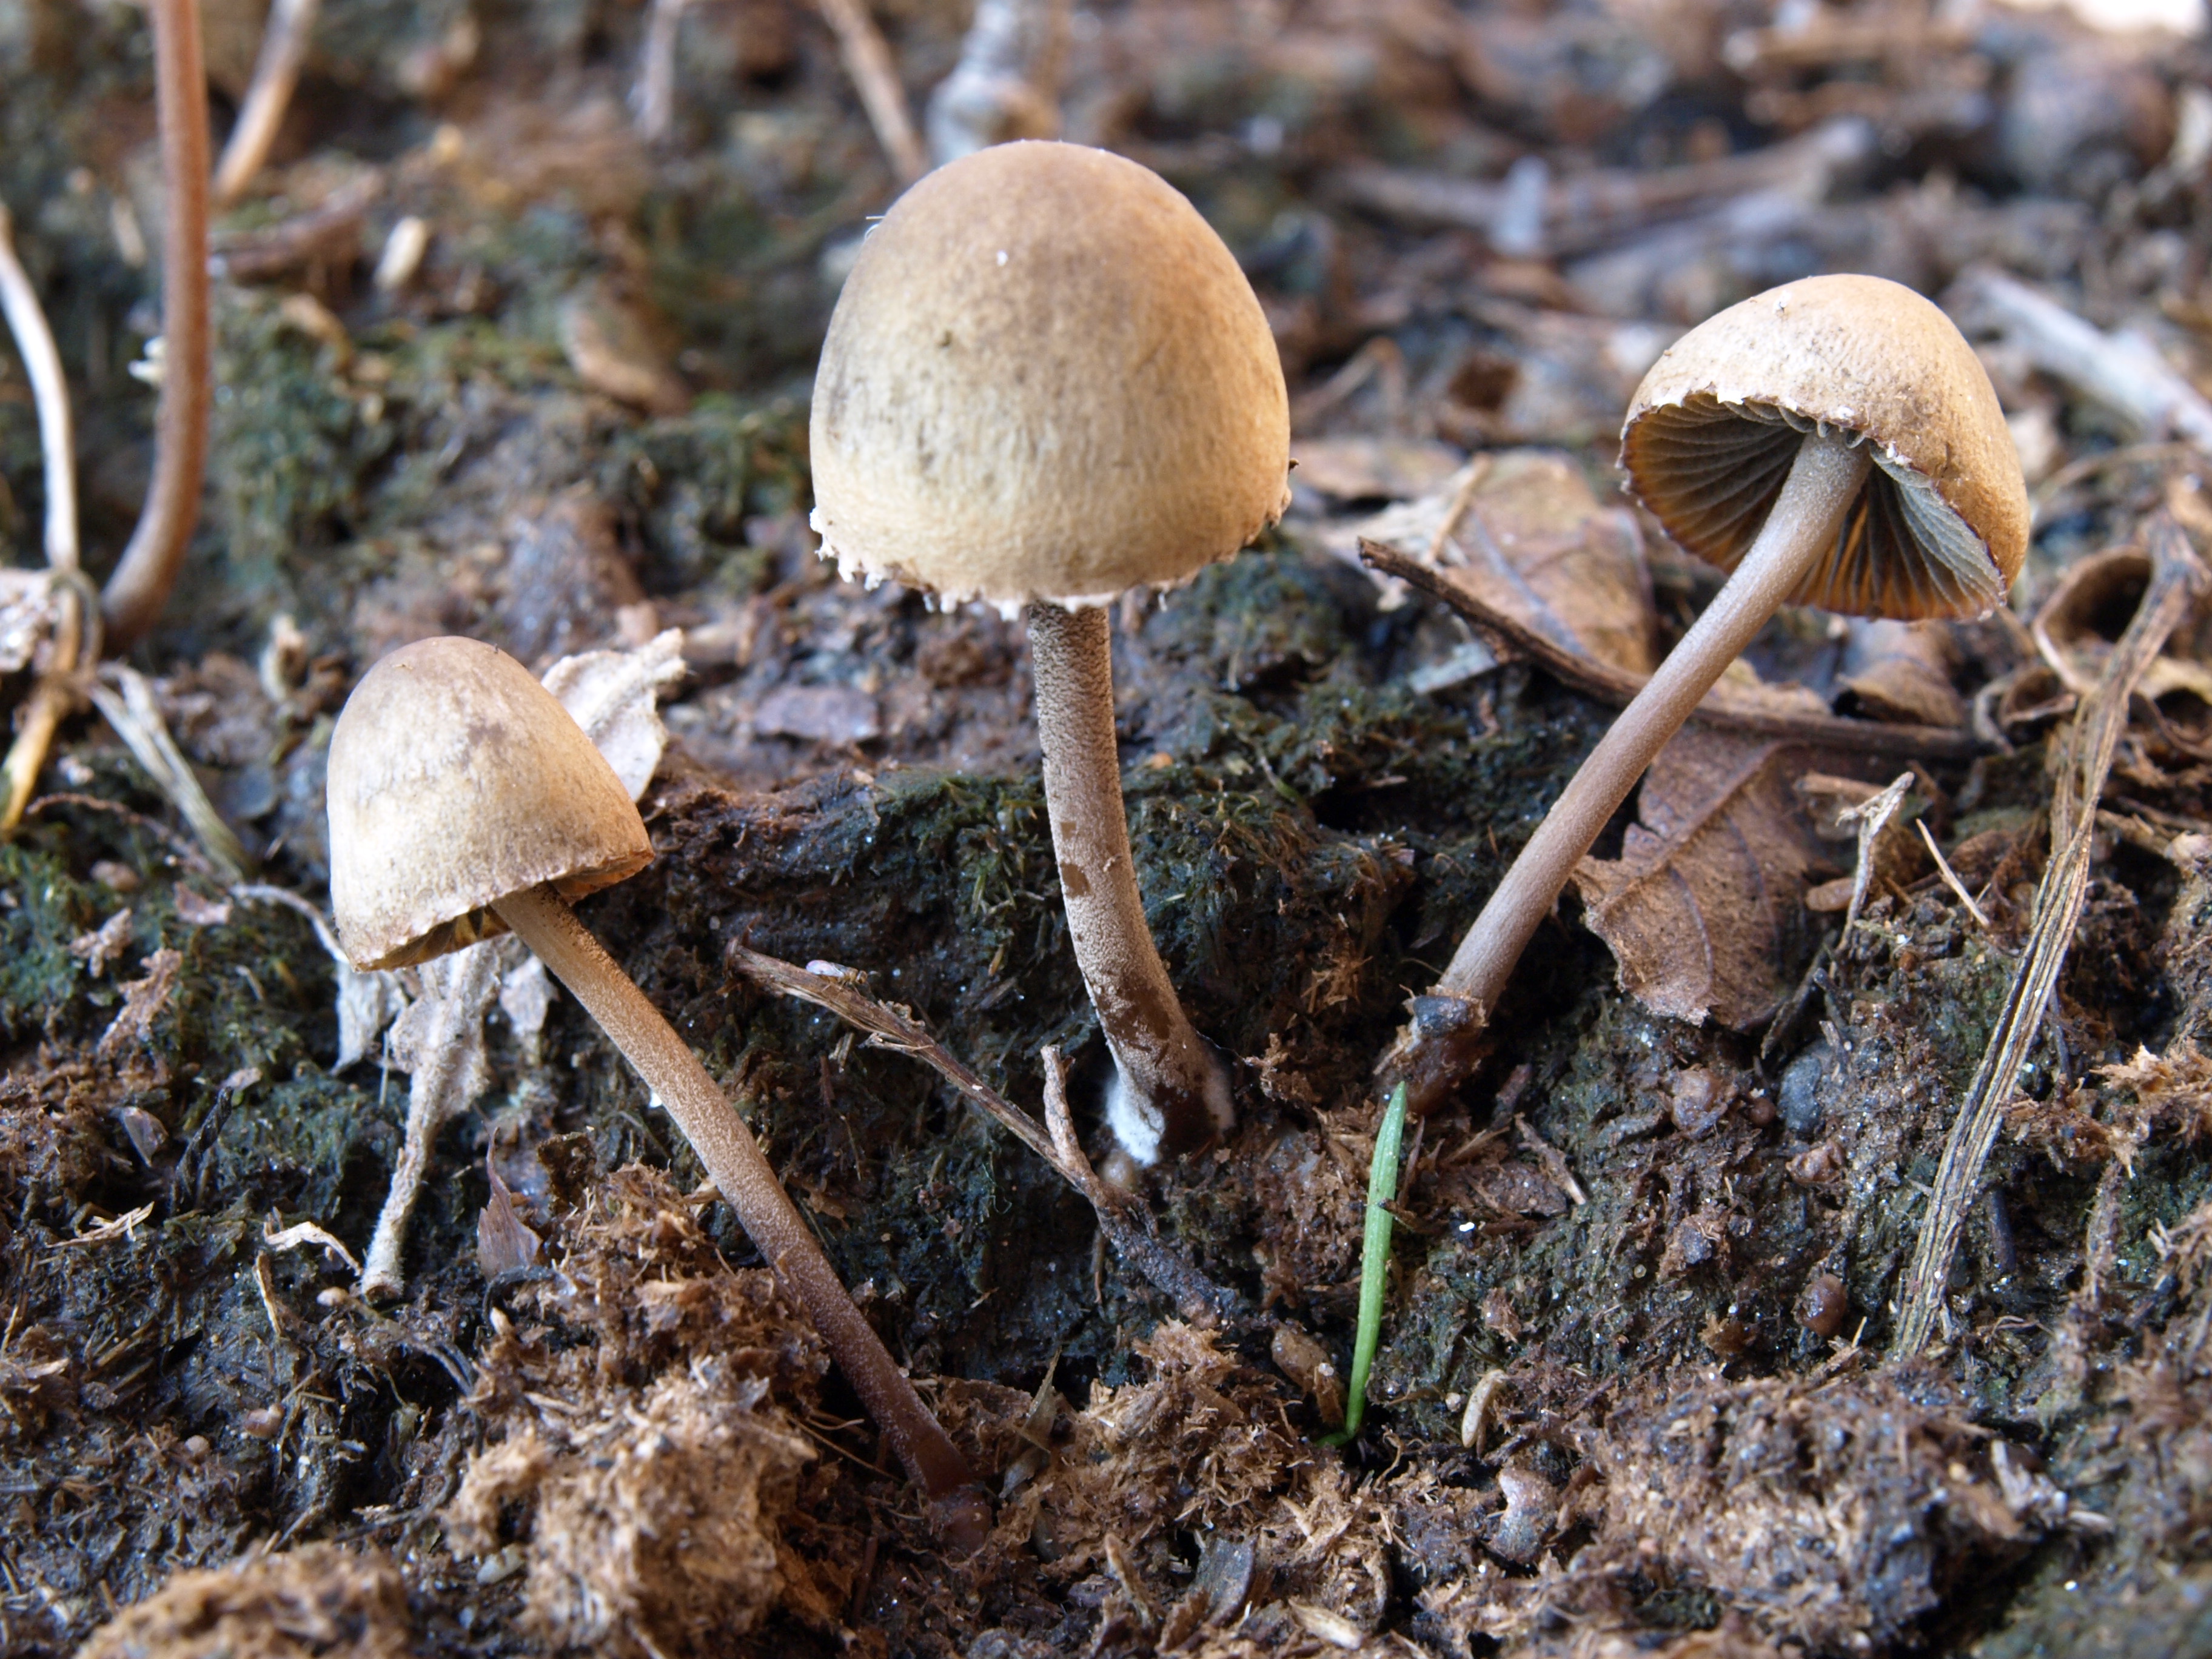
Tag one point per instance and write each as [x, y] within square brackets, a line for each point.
[464, 801]
[1047, 382]
[1832, 442]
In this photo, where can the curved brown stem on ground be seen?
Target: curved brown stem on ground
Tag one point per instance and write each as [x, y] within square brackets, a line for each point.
[276, 72]
[140, 587]
[54, 696]
[42, 365]
[1434, 1054]
[544, 921]
[1171, 1093]
[76, 620]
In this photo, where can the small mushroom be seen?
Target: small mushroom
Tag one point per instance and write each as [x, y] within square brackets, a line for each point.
[1834, 442]
[1047, 382]
[465, 801]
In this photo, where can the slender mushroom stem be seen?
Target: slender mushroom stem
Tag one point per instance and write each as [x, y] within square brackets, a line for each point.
[1171, 1093]
[140, 586]
[1823, 482]
[544, 921]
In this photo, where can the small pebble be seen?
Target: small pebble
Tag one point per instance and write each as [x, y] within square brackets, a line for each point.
[1822, 1308]
[1701, 1100]
[1800, 1092]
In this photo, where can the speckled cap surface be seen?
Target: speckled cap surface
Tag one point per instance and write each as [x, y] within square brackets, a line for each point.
[455, 778]
[1045, 378]
[1939, 529]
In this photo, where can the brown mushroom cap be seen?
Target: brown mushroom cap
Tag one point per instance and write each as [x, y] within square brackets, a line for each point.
[455, 780]
[1046, 379]
[1941, 525]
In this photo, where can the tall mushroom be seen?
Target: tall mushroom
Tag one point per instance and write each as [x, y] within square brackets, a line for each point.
[1833, 442]
[464, 801]
[1047, 382]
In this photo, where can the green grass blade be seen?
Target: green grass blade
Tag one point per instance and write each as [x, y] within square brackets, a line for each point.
[1374, 1261]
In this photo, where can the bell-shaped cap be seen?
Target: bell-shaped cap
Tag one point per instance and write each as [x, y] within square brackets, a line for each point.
[455, 780]
[1046, 379]
[1941, 525]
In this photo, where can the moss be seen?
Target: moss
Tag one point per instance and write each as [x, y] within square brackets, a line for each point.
[692, 481]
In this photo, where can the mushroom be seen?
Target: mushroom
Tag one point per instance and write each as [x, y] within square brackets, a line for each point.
[465, 801]
[1047, 382]
[1833, 442]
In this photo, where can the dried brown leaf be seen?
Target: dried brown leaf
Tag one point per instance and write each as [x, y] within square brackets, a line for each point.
[1701, 906]
[1535, 543]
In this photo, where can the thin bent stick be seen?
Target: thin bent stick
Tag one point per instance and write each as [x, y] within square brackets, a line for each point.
[2179, 579]
[1128, 1226]
[868, 61]
[34, 343]
[140, 584]
[1618, 687]
[275, 73]
[53, 694]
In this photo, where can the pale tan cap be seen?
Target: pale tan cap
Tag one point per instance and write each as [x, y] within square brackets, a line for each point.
[1941, 526]
[1045, 378]
[455, 780]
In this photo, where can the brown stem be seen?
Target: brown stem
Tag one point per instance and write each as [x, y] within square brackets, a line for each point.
[1171, 1093]
[868, 60]
[275, 73]
[544, 921]
[140, 584]
[1802, 526]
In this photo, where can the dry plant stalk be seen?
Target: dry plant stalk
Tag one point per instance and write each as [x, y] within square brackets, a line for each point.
[1007, 85]
[1722, 708]
[653, 97]
[275, 73]
[1127, 1224]
[2178, 580]
[147, 570]
[2122, 371]
[53, 695]
[875, 77]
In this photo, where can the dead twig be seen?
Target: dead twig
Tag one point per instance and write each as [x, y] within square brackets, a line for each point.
[140, 587]
[1124, 1220]
[327, 233]
[875, 76]
[126, 697]
[1007, 85]
[2122, 371]
[42, 363]
[187, 855]
[74, 610]
[1951, 876]
[276, 72]
[652, 96]
[1722, 708]
[2179, 579]
[1583, 212]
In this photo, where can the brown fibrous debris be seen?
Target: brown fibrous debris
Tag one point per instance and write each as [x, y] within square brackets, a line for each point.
[643, 1442]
